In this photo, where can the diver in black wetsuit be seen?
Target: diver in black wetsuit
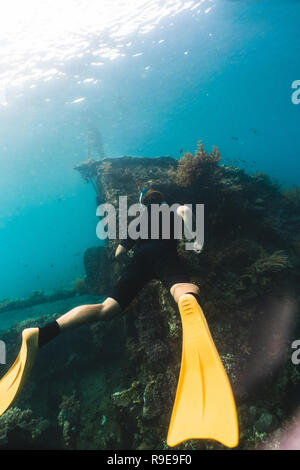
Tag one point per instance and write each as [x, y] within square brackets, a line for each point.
[152, 259]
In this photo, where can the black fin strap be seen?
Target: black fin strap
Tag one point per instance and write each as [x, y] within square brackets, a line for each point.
[197, 296]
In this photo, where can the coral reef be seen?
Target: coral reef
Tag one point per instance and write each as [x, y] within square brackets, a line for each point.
[249, 258]
[68, 419]
[97, 270]
[18, 429]
[36, 298]
[125, 372]
[293, 197]
[194, 169]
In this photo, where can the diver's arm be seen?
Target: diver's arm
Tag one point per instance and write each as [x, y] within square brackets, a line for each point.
[186, 214]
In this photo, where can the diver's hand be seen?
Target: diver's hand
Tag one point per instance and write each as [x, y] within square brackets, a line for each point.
[120, 251]
[197, 247]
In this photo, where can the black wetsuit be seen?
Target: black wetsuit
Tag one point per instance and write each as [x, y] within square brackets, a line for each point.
[152, 259]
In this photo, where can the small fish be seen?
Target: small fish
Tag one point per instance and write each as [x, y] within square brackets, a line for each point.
[51, 265]
[234, 137]
[252, 129]
[181, 151]
[25, 265]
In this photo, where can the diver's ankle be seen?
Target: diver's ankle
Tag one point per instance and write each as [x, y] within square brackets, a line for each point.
[48, 332]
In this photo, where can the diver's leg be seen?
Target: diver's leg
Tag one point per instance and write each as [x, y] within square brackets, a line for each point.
[79, 316]
[177, 290]
[88, 314]
[132, 280]
[170, 270]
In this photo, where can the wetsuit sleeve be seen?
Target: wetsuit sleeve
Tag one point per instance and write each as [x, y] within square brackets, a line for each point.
[127, 243]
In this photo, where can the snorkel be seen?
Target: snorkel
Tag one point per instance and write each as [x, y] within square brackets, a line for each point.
[142, 194]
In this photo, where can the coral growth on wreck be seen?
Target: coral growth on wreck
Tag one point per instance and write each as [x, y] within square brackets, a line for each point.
[88, 171]
[192, 168]
[68, 419]
[19, 429]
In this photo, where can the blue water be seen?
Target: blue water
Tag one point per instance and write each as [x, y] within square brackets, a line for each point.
[153, 78]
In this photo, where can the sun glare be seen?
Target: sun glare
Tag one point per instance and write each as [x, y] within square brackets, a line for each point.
[37, 37]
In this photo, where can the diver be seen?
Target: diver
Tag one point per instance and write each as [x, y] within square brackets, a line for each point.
[152, 259]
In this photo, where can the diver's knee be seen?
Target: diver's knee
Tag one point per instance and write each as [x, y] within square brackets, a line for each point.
[108, 309]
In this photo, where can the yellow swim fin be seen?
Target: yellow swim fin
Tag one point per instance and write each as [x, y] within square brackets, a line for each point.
[12, 382]
[204, 406]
